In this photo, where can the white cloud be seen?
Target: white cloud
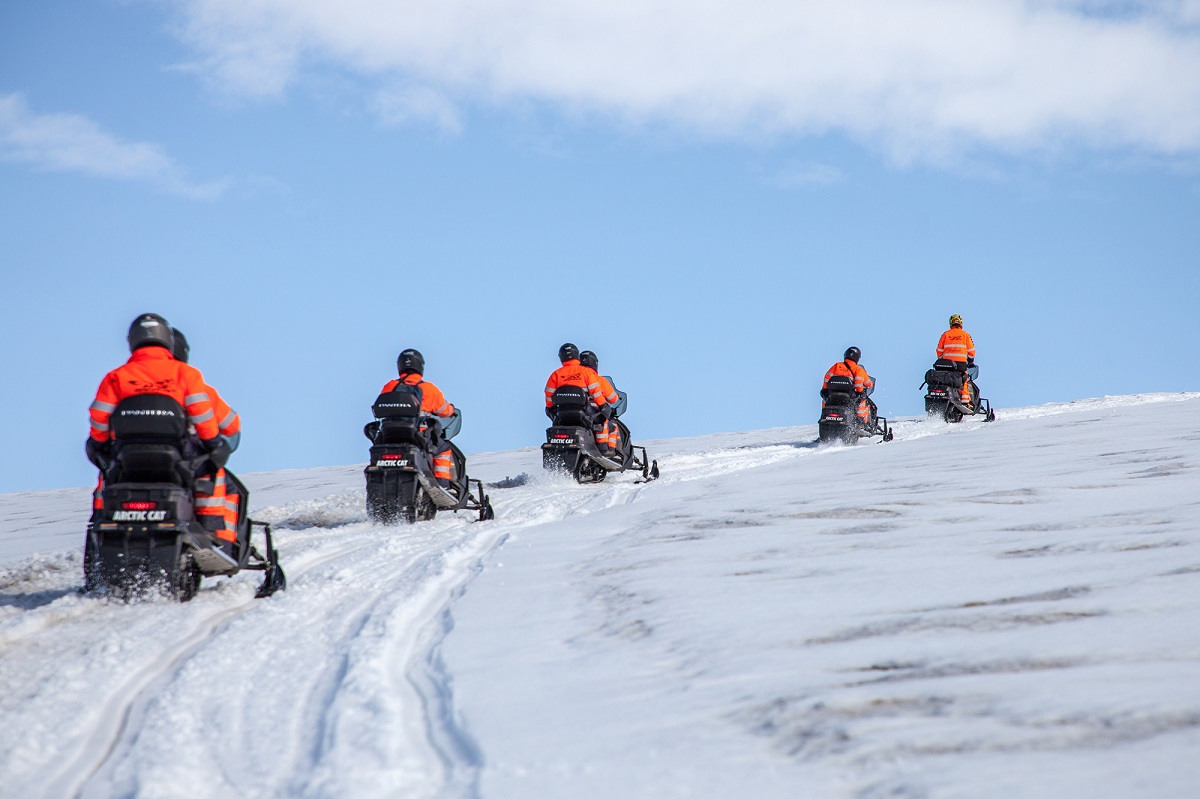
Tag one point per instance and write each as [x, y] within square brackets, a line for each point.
[919, 78]
[74, 143]
[416, 104]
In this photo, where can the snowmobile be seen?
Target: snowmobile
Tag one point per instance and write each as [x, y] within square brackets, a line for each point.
[839, 416]
[147, 537]
[944, 396]
[571, 445]
[401, 486]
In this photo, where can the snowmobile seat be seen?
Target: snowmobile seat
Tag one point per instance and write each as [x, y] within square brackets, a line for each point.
[941, 375]
[570, 407]
[839, 390]
[150, 431]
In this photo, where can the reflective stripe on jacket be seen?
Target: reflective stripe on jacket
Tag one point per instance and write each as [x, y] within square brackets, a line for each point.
[432, 399]
[153, 370]
[862, 380]
[573, 373]
[956, 345]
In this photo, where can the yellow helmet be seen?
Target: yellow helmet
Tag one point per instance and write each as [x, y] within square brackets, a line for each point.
[955, 319]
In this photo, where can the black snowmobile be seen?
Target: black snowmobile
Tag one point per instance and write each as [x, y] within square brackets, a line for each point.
[944, 397]
[839, 417]
[571, 445]
[147, 537]
[401, 486]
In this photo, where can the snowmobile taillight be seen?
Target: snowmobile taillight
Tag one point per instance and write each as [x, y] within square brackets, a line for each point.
[563, 436]
[390, 457]
[139, 506]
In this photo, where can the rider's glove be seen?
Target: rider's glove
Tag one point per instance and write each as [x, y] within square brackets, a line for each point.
[99, 453]
[970, 361]
[218, 451]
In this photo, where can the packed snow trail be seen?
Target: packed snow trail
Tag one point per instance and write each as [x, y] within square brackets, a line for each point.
[351, 682]
[274, 697]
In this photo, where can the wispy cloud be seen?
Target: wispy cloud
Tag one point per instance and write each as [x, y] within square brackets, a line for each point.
[795, 175]
[417, 104]
[62, 142]
[921, 79]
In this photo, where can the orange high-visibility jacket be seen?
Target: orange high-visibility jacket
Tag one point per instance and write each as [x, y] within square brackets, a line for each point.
[432, 399]
[956, 345]
[573, 373]
[862, 380]
[606, 388]
[228, 421]
[153, 370]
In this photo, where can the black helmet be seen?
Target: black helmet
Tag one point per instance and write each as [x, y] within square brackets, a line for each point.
[568, 352]
[150, 330]
[411, 362]
[181, 348]
[589, 359]
[852, 354]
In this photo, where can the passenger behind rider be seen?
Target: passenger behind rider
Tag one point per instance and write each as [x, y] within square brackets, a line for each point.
[863, 384]
[228, 422]
[956, 345]
[574, 373]
[616, 399]
[411, 366]
[153, 369]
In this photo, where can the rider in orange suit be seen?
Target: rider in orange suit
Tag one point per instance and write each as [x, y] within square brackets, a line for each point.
[411, 365]
[613, 437]
[228, 422]
[848, 367]
[573, 373]
[956, 345]
[153, 369]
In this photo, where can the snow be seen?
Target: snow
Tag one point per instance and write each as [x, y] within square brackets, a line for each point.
[980, 610]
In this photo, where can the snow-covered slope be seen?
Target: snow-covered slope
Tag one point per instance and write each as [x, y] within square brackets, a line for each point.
[1004, 610]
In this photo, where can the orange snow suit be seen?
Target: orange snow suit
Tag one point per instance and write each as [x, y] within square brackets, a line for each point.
[862, 382]
[434, 403]
[154, 370]
[956, 345]
[573, 373]
[608, 429]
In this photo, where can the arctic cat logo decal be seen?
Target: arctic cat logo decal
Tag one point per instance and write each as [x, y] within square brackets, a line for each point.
[393, 462]
[139, 515]
[147, 412]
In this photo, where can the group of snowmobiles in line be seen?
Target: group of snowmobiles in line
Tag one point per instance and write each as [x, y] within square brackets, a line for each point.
[166, 512]
[848, 413]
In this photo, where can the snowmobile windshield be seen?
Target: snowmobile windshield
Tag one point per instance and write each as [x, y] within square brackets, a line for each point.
[450, 424]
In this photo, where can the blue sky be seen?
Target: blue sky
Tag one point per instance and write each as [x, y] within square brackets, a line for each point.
[716, 198]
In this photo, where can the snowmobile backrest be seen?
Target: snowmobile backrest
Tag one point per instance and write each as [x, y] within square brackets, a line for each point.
[151, 434]
[398, 404]
[947, 365]
[840, 384]
[569, 397]
[571, 406]
[149, 418]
